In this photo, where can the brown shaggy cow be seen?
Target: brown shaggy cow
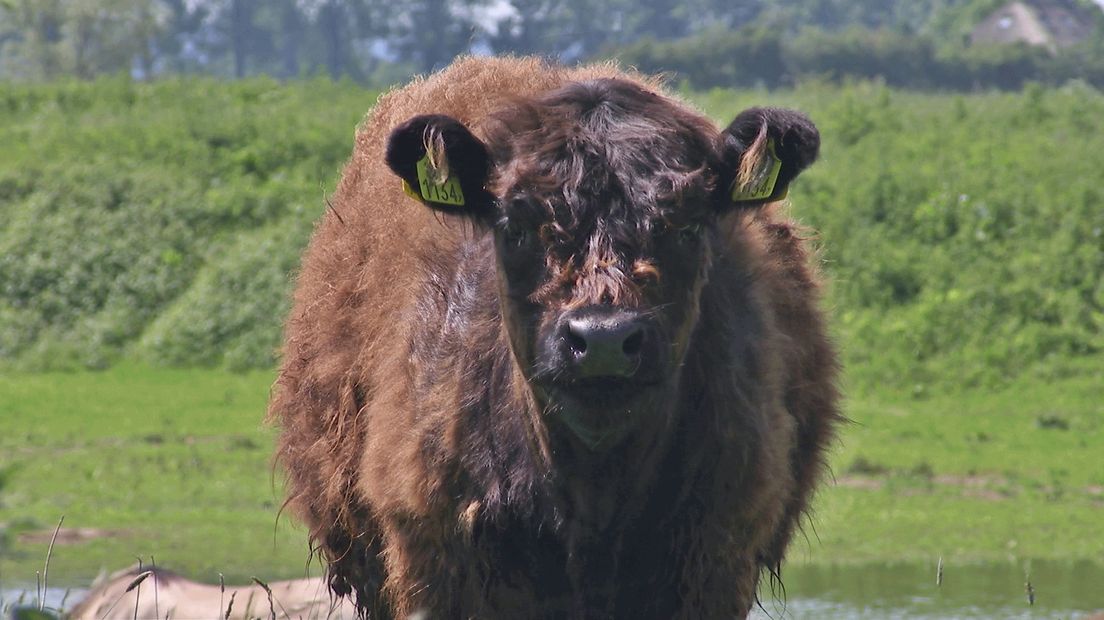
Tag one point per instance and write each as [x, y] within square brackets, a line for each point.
[586, 378]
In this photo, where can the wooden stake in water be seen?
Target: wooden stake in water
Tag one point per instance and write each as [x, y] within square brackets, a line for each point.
[939, 573]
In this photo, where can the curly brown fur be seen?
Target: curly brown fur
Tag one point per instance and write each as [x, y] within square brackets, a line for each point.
[421, 447]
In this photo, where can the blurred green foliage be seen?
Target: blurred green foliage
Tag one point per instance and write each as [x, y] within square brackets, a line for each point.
[765, 55]
[159, 220]
[172, 463]
[963, 234]
[5, 536]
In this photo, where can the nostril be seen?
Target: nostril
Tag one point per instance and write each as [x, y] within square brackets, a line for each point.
[632, 345]
[576, 343]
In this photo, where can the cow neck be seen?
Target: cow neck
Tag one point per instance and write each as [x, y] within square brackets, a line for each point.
[606, 490]
[588, 492]
[614, 501]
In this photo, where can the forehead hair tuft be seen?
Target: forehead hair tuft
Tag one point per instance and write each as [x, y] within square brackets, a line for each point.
[603, 147]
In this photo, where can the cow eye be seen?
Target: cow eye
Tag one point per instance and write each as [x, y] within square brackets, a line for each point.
[516, 237]
[690, 234]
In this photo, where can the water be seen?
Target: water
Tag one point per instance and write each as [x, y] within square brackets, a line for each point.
[55, 598]
[1063, 590]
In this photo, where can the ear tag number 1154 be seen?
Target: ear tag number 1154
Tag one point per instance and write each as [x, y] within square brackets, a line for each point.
[448, 192]
[763, 180]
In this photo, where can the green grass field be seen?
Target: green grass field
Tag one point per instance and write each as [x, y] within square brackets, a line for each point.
[973, 476]
[175, 464]
[154, 225]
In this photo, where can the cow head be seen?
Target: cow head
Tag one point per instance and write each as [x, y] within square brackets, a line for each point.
[604, 201]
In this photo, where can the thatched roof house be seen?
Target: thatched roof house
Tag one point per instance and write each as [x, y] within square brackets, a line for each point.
[1052, 24]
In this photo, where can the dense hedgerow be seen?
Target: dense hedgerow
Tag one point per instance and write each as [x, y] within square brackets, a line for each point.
[123, 202]
[964, 234]
[767, 56]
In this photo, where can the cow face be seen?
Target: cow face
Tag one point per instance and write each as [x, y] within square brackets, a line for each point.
[603, 199]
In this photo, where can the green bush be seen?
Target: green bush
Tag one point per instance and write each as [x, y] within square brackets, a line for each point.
[963, 234]
[5, 535]
[232, 312]
[857, 53]
[762, 56]
[716, 56]
[119, 199]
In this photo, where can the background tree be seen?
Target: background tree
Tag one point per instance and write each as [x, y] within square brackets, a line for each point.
[913, 43]
[432, 32]
[32, 37]
[229, 26]
[49, 38]
[331, 20]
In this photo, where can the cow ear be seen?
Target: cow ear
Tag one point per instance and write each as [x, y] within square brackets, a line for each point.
[761, 152]
[442, 165]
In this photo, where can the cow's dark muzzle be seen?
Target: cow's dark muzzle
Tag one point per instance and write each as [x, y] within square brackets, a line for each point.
[597, 345]
[606, 371]
[603, 348]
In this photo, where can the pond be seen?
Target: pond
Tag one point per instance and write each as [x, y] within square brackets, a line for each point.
[55, 598]
[1067, 590]
[1060, 590]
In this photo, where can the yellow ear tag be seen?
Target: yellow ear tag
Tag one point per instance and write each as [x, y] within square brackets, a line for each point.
[763, 180]
[448, 192]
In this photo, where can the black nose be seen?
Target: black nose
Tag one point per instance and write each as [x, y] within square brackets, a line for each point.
[605, 346]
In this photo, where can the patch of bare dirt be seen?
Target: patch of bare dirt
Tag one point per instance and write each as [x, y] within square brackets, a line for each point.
[971, 481]
[979, 486]
[67, 535]
[866, 483]
[987, 487]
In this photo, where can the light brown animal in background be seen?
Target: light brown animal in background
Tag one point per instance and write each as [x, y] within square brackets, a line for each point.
[165, 595]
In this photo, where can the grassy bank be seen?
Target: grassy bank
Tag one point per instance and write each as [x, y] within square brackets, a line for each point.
[175, 464]
[140, 462]
[963, 234]
[972, 476]
[159, 221]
